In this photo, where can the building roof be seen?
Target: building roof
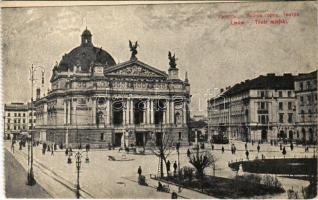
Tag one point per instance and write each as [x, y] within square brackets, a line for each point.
[197, 124]
[270, 81]
[306, 76]
[84, 56]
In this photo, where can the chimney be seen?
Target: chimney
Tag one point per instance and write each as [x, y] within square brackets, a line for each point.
[221, 90]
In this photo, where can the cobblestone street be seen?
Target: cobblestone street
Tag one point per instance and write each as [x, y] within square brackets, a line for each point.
[102, 178]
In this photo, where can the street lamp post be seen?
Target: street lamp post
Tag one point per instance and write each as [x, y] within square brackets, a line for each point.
[78, 157]
[30, 177]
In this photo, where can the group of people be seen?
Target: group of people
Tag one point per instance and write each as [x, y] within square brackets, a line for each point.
[49, 148]
[175, 166]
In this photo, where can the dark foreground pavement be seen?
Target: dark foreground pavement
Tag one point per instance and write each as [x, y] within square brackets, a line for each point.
[15, 179]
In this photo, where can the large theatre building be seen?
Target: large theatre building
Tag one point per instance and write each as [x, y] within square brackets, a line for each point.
[94, 100]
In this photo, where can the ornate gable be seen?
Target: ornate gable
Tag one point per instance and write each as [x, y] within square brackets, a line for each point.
[135, 68]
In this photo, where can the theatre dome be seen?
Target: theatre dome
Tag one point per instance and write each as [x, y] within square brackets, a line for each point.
[85, 56]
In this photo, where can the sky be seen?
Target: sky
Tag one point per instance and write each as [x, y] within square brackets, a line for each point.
[215, 53]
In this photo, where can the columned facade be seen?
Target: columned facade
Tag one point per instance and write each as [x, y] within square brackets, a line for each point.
[105, 103]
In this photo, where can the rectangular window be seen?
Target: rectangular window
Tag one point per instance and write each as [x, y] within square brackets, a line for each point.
[280, 93]
[262, 94]
[289, 93]
[15, 114]
[23, 114]
[15, 128]
[301, 85]
[9, 121]
[301, 99]
[290, 106]
[15, 121]
[23, 121]
[19, 115]
[281, 117]
[290, 117]
[309, 99]
[8, 114]
[30, 120]
[308, 85]
[280, 105]
[8, 127]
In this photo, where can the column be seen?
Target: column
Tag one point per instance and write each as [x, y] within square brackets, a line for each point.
[65, 112]
[148, 112]
[107, 112]
[131, 111]
[127, 111]
[151, 112]
[184, 112]
[93, 111]
[144, 112]
[167, 111]
[172, 112]
[124, 113]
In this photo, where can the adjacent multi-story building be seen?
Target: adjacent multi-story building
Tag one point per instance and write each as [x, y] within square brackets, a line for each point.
[259, 109]
[18, 117]
[95, 100]
[306, 96]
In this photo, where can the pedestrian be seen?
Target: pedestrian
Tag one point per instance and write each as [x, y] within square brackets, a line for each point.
[20, 145]
[252, 142]
[87, 147]
[247, 153]
[175, 167]
[222, 149]
[12, 146]
[284, 152]
[188, 153]
[174, 195]
[234, 149]
[52, 151]
[139, 171]
[66, 152]
[258, 148]
[280, 146]
[212, 147]
[48, 148]
[291, 146]
[246, 146]
[168, 167]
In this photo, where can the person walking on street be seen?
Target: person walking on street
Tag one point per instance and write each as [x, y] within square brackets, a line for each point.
[66, 152]
[258, 148]
[188, 153]
[139, 171]
[280, 146]
[212, 147]
[12, 146]
[234, 149]
[175, 167]
[247, 153]
[52, 151]
[222, 149]
[168, 167]
[291, 146]
[246, 146]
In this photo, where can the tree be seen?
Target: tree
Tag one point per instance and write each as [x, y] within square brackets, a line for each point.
[200, 161]
[162, 149]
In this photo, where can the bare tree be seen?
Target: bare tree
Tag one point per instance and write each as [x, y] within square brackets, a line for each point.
[162, 149]
[201, 160]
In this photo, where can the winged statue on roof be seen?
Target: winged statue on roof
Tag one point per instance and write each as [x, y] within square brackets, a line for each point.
[133, 49]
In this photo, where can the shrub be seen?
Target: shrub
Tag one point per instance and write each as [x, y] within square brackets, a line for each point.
[187, 173]
[251, 178]
[271, 181]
